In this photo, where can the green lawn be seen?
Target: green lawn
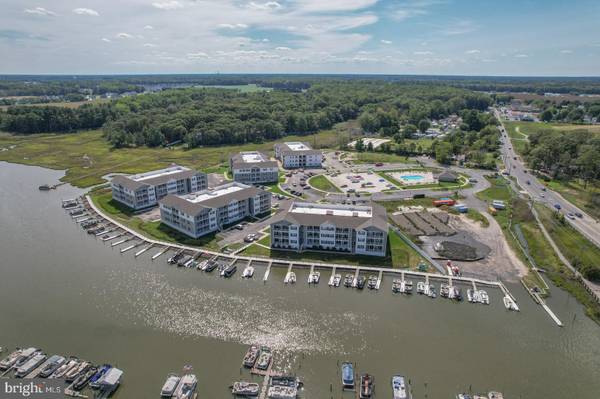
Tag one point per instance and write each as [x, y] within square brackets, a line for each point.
[400, 255]
[321, 182]
[373, 157]
[87, 156]
[576, 193]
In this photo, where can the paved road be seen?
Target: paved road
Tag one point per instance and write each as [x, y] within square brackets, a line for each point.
[586, 225]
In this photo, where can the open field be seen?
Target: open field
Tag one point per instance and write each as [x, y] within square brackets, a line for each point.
[518, 131]
[576, 193]
[65, 104]
[400, 255]
[373, 157]
[321, 182]
[87, 156]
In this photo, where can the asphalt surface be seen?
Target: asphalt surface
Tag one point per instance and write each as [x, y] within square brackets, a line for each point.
[516, 168]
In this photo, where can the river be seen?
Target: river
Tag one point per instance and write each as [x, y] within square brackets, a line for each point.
[68, 293]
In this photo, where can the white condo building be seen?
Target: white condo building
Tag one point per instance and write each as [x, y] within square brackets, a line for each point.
[324, 227]
[253, 167]
[145, 189]
[200, 213]
[298, 155]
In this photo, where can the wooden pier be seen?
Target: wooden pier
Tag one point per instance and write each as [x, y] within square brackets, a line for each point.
[141, 251]
[159, 253]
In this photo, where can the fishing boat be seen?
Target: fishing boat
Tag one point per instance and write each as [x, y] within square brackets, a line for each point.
[84, 378]
[400, 389]
[170, 385]
[408, 286]
[34, 362]
[471, 295]
[65, 368]
[420, 287]
[444, 290]
[397, 285]
[51, 365]
[229, 271]
[264, 359]
[510, 304]
[290, 278]
[484, 297]
[248, 272]
[347, 376]
[210, 266]
[367, 384]
[25, 355]
[372, 282]
[186, 387]
[75, 372]
[360, 282]
[314, 277]
[251, 356]
[336, 280]
[348, 280]
[10, 360]
[109, 383]
[102, 370]
[245, 389]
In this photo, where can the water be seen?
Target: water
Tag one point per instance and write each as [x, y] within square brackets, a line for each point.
[68, 293]
[412, 177]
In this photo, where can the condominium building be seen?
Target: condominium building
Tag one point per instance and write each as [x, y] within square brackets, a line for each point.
[200, 213]
[253, 167]
[298, 155]
[340, 228]
[145, 189]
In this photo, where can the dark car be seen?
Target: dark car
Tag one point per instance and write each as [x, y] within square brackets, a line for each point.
[579, 214]
[557, 206]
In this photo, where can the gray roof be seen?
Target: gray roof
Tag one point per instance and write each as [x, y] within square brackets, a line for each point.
[448, 175]
[128, 182]
[194, 208]
[378, 220]
[237, 161]
[285, 150]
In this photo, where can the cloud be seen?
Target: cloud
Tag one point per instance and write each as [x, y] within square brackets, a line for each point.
[283, 48]
[148, 27]
[167, 5]
[521, 56]
[414, 8]
[86, 11]
[9, 34]
[269, 5]
[385, 41]
[423, 53]
[474, 51]
[195, 56]
[40, 11]
[566, 51]
[149, 45]
[124, 35]
[106, 40]
[232, 26]
[333, 5]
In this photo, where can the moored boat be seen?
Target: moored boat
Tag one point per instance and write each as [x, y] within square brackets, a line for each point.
[336, 280]
[360, 282]
[248, 272]
[347, 375]
[170, 385]
[367, 384]
[348, 280]
[229, 271]
[65, 368]
[31, 364]
[10, 360]
[495, 395]
[187, 387]
[75, 372]
[471, 295]
[314, 277]
[251, 356]
[24, 356]
[84, 378]
[420, 287]
[102, 370]
[510, 304]
[245, 389]
[372, 282]
[290, 278]
[484, 297]
[51, 365]
[264, 359]
[397, 285]
[109, 383]
[408, 286]
[400, 388]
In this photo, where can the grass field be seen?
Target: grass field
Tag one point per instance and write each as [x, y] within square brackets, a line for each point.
[65, 104]
[518, 131]
[87, 156]
[575, 192]
[400, 255]
[322, 183]
[373, 157]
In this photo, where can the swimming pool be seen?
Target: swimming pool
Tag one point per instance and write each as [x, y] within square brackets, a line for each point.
[412, 177]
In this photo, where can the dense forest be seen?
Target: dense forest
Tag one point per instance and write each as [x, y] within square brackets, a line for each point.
[202, 116]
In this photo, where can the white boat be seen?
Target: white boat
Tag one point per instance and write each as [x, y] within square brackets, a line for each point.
[470, 295]
[186, 387]
[248, 272]
[400, 388]
[25, 355]
[510, 304]
[495, 395]
[65, 368]
[483, 297]
[408, 286]
[431, 291]
[34, 362]
[420, 287]
[314, 277]
[10, 360]
[245, 389]
[170, 385]
[335, 280]
[290, 278]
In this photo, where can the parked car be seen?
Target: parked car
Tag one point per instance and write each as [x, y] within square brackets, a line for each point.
[239, 227]
[557, 206]
[379, 164]
[543, 188]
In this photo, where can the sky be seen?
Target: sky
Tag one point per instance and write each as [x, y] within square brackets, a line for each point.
[440, 37]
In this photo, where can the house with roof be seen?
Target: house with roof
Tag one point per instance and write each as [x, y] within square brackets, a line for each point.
[253, 167]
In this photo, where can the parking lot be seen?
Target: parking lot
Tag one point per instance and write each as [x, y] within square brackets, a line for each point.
[368, 182]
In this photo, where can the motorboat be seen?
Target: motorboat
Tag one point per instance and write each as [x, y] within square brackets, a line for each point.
[400, 389]
[109, 383]
[251, 356]
[347, 376]
[348, 280]
[444, 290]
[10, 360]
[372, 282]
[510, 304]
[314, 277]
[283, 387]
[360, 282]
[75, 372]
[264, 359]
[34, 362]
[102, 370]
[84, 378]
[170, 385]
[471, 295]
[229, 271]
[431, 291]
[484, 297]
[65, 368]
[420, 287]
[408, 286]
[367, 384]
[495, 395]
[245, 389]
[457, 293]
[248, 272]
[290, 278]
[186, 387]
[210, 266]
[335, 281]
[51, 365]
[25, 355]
[397, 285]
